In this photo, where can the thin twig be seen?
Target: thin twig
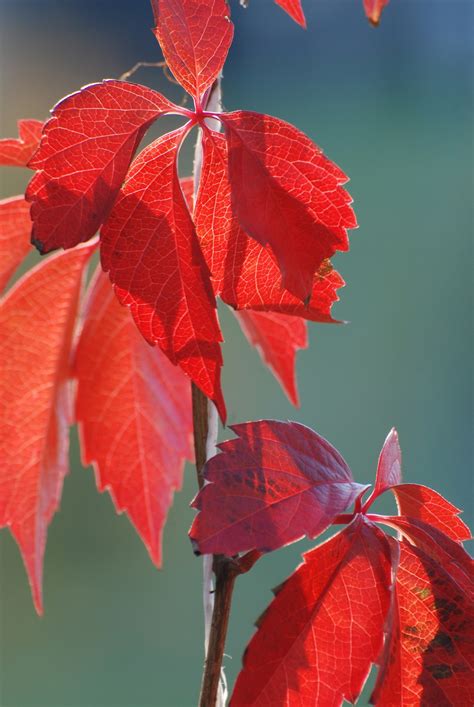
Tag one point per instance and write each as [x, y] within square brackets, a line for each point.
[155, 65]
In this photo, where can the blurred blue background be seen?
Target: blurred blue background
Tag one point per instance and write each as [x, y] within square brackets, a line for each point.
[393, 107]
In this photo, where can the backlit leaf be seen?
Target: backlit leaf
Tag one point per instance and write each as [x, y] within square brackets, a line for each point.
[134, 413]
[195, 36]
[85, 152]
[428, 657]
[16, 152]
[416, 501]
[317, 640]
[15, 228]
[373, 10]
[275, 483]
[150, 249]
[446, 552]
[294, 9]
[36, 326]
[389, 467]
[244, 273]
[288, 195]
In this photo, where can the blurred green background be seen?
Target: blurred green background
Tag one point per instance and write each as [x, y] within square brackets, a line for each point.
[393, 107]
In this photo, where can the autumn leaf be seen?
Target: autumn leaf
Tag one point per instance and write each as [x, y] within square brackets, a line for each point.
[84, 155]
[428, 657]
[16, 152]
[15, 227]
[317, 640]
[275, 483]
[373, 10]
[150, 249]
[277, 338]
[244, 273]
[294, 9]
[286, 194]
[36, 325]
[389, 467]
[448, 553]
[134, 413]
[416, 501]
[195, 36]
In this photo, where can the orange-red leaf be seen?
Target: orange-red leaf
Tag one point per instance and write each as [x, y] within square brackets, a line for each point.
[277, 338]
[416, 501]
[15, 228]
[17, 152]
[36, 324]
[294, 9]
[275, 483]
[373, 10]
[286, 194]
[317, 640]
[195, 36]
[85, 152]
[428, 657]
[448, 553]
[134, 412]
[244, 273]
[150, 249]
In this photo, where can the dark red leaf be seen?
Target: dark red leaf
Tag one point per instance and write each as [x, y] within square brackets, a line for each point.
[195, 36]
[428, 657]
[134, 413]
[150, 249]
[294, 9]
[317, 640]
[275, 483]
[15, 227]
[17, 152]
[416, 501]
[36, 325]
[277, 338]
[373, 10]
[287, 194]
[245, 274]
[85, 152]
[446, 552]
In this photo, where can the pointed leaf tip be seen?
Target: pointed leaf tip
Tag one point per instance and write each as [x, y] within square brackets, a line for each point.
[37, 319]
[137, 433]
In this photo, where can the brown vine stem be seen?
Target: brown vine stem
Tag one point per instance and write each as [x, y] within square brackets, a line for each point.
[225, 570]
[225, 574]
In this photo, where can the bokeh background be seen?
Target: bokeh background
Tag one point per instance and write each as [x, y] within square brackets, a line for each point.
[393, 107]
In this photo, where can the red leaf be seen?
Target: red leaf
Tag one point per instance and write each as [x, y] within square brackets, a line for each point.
[389, 467]
[245, 274]
[83, 158]
[428, 656]
[277, 338]
[15, 227]
[274, 484]
[448, 553]
[287, 194]
[294, 9]
[134, 411]
[416, 501]
[150, 248]
[317, 640]
[195, 36]
[36, 325]
[17, 152]
[373, 10]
